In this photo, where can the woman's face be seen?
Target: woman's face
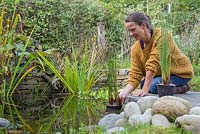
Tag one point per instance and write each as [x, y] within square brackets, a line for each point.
[135, 30]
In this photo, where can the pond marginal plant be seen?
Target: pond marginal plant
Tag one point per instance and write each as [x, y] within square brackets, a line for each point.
[80, 70]
[165, 58]
[111, 74]
[10, 39]
[165, 50]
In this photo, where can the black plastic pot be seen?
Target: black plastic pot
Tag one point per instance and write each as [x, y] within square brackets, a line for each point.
[165, 90]
[113, 108]
[114, 105]
[110, 107]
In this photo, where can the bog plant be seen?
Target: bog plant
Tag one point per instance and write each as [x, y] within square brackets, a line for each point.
[80, 71]
[112, 78]
[111, 74]
[165, 52]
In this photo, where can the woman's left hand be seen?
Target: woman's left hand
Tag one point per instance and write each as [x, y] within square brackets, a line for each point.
[140, 93]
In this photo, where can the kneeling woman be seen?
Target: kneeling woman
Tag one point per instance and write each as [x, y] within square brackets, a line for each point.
[145, 62]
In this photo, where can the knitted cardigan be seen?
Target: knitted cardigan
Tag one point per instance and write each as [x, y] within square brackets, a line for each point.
[143, 60]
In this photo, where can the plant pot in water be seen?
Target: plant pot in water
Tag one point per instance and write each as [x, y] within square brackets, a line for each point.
[110, 107]
[114, 104]
[165, 90]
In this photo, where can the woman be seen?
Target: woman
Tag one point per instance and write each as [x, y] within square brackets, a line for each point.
[145, 63]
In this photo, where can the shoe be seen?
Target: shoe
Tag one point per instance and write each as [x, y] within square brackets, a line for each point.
[182, 89]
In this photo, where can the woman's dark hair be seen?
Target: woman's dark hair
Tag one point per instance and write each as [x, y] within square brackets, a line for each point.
[139, 18]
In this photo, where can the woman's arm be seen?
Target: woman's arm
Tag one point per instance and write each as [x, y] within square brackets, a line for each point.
[123, 92]
[148, 79]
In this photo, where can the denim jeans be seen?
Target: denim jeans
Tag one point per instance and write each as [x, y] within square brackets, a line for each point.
[178, 81]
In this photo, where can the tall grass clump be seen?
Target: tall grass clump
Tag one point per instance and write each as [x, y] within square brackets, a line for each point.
[111, 74]
[165, 57]
[165, 49]
[80, 71]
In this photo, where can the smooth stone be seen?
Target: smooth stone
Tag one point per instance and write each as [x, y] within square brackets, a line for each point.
[131, 108]
[122, 114]
[195, 111]
[147, 116]
[109, 120]
[183, 101]
[146, 102]
[135, 119]
[169, 108]
[190, 123]
[121, 122]
[4, 123]
[160, 120]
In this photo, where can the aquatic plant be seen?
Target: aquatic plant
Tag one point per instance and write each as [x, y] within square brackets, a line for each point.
[80, 71]
[111, 74]
[165, 49]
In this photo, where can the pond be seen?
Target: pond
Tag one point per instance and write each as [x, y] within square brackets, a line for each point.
[51, 114]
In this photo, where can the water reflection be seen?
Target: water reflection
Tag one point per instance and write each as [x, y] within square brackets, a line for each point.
[65, 114]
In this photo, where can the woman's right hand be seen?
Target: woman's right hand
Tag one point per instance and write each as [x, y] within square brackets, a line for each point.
[124, 92]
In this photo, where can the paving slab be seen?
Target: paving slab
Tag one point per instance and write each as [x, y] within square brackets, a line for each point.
[192, 97]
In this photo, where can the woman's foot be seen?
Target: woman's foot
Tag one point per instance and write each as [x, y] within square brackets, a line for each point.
[182, 89]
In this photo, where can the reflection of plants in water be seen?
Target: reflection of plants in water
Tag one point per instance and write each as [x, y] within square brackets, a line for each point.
[13, 110]
[47, 115]
[2, 97]
[73, 114]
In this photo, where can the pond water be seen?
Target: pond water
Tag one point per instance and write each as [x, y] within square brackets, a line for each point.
[43, 114]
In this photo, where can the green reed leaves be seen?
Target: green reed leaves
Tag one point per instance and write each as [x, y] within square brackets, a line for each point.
[112, 77]
[165, 51]
[80, 71]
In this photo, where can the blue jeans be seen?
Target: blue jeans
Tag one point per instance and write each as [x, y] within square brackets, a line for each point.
[178, 81]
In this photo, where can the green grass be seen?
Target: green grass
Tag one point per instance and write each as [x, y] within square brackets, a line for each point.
[196, 79]
[147, 129]
[142, 129]
[195, 86]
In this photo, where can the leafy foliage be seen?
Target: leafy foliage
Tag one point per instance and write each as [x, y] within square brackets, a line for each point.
[61, 23]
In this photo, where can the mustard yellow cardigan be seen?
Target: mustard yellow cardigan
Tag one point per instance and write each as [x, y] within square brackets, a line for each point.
[148, 59]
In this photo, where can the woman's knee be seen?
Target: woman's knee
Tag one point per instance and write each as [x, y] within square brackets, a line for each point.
[155, 82]
[153, 90]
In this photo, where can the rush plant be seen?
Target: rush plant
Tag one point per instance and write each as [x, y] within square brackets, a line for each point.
[165, 50]
[80, 71]
[111, 74]
[165, 57]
